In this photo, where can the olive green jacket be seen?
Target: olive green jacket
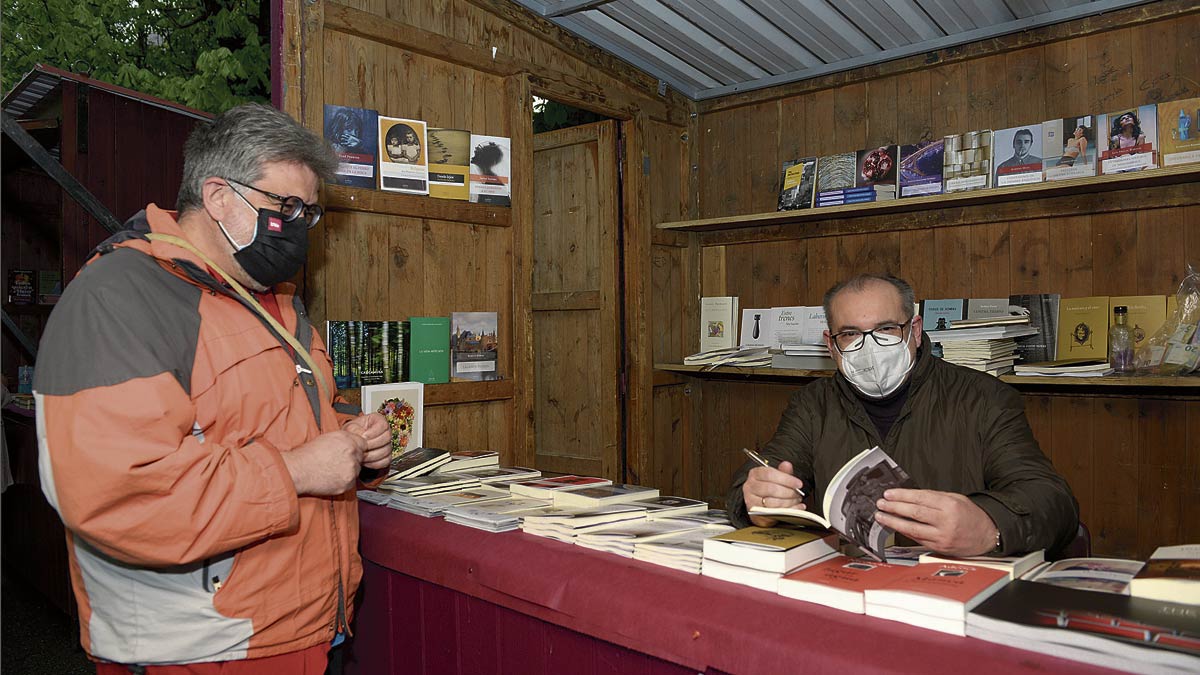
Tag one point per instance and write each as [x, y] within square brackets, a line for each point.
[959, 431]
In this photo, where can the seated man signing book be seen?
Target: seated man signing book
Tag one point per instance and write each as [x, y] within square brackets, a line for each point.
[962, 435]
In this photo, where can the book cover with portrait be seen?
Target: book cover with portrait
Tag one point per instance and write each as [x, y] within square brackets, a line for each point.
[449, 157]
[491, 170]
[1069, 147]
[1130, 139]
[352, 132]
[1018, 155]
[403, 156]
[921, 168]
[1180, 137]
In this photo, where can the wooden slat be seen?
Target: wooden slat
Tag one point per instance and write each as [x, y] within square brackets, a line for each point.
[519, 110]
[567, 300]
[453, 393]
[343, 198]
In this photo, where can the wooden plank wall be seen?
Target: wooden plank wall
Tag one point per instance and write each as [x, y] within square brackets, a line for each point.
[1134, 463]
[469, 64]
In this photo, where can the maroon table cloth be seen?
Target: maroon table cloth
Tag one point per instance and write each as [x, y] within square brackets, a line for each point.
[418, 566]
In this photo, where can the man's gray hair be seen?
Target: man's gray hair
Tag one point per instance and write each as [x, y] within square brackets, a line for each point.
[860, 282]
[239, 142]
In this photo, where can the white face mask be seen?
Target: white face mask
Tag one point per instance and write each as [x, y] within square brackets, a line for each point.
[875, 370]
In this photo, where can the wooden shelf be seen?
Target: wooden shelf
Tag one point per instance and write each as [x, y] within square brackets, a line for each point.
[454, 392]
[1145, 381]
[344, 198]
[1076, 186]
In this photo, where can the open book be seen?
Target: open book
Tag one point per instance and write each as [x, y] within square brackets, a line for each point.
[850, 499]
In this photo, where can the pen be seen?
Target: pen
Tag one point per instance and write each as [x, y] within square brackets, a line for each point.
[758, 458]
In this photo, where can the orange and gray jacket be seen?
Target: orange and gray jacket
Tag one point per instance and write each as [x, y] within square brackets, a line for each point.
[164, 405]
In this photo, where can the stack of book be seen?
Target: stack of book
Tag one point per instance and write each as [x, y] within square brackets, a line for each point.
[1066, 368]
[621, 538]
[433, 505]
[684, 551]
[987, 345]
[732, 356]
[464, 460]
[759, 556]
[545, 488]
[501, 475]
[417, 462]
[499, 516]
[563, 524]
[802, 357]
[600, 495]
[419, 486]
[856, 195]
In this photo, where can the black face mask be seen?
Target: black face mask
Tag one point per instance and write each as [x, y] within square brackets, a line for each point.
[277, 251]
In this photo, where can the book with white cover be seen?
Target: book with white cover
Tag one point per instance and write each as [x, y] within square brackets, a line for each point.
[1016, 565]
[756, 328]
[1172, 574]
[501, 474]
[603, 494]
[718, 322]
[435, 504]
[764, 580]
[669, 506]
[936, 596]
[403, 156]
[544, 488]
[773, 549]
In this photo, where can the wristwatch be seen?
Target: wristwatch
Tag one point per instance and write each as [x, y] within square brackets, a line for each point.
[999, 547]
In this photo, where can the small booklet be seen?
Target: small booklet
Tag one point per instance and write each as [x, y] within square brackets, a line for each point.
[850, 499]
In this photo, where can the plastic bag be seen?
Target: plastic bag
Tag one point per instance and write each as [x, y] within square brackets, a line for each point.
[1174, 349]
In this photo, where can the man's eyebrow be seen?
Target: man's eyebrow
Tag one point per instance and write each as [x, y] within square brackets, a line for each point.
[889, 322]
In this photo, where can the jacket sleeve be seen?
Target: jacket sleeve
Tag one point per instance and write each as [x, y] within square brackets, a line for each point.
[119, 453]
[791, 443]
[1031, 504]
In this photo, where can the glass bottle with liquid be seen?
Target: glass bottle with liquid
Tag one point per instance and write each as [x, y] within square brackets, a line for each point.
[1120, 342]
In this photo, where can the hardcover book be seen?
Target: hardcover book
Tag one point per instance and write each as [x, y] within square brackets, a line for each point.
[770, 549]
[1179, 122]
[491, 170]
[1018, 153]
[921, 166]
[718, 322]
[1083, 328]
[797, 184]
[353, 133]
[967, 161]
[1118, 631]
[1172, 574]
[449, 157]
[1043, 315]
[474, 345]
[936, 596]
[836, 172]
[1131, 139]
[849, 504]
[1069, 147]
[403, 156]
[938, 314]
[1147, 313]
[429, 360]
[877, 166]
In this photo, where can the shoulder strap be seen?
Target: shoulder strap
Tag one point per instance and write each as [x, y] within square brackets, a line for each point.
[245, 295]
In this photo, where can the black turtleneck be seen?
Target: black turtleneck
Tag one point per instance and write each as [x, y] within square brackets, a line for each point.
[884, 411]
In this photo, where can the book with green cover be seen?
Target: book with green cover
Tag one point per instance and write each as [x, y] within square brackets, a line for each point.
[429, 342]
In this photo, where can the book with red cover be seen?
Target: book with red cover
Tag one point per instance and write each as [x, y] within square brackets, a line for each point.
[839, 582]
[936, 596]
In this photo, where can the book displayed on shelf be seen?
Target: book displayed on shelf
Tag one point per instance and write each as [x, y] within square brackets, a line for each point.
[718, 322]
[1043, 315]
[798, 184]
[367, 352]
[985, 308]
[836, 172]
[353, 133]
[791, 362]
[20, 287]
[936, 596]
[474, 346]
[1015, 566]
[967, 161]
[1172, 574]
[403, 156]
[849, 504]
[449, 157]
[756, 328]
[938, 314]
[921, 167]
[429, 352]
[797, 325]
[1066, 368]
[1131, 139]
[770, 549]
[1018, 155]
[1146, 314]
[491, 170]
[49, 287]
[1179, 131]
[1069, 147]
[877, 168]
[1083, 328]
[1103, 629]
[855, 195]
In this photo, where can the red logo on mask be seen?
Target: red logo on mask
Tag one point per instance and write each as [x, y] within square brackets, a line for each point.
[275, 225]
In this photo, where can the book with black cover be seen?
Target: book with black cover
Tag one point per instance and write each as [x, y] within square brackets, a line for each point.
[1100, 628]
[1043, 315]
[417, 462]
[353, 133]
[797, 183]
[849, 503]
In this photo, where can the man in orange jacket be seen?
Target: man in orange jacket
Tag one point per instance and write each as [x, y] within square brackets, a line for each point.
[189, 436]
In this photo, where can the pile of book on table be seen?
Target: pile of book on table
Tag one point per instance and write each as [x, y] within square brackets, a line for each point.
[986, 340]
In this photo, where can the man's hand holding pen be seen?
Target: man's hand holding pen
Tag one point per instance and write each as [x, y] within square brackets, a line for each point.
[771, 487]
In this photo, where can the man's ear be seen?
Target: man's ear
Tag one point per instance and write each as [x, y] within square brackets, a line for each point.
[918, 328]
[216, 194]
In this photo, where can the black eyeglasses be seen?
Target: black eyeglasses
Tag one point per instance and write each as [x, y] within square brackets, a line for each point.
[292, 207]
[887, 335]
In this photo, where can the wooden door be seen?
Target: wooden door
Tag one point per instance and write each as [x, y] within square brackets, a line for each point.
[576, 320]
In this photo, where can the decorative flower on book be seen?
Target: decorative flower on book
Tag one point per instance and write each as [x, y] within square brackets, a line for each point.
[399, 414]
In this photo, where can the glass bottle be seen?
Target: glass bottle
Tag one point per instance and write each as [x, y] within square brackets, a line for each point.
[1120, 341]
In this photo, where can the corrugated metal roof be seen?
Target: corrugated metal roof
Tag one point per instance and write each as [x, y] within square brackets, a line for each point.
[709, 48]
[42, 81]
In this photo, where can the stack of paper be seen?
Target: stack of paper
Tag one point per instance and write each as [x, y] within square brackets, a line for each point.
[498, 516]
[428, 485]
[995, 357]
[563, 524]
[1066, 368]
[620, 538]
